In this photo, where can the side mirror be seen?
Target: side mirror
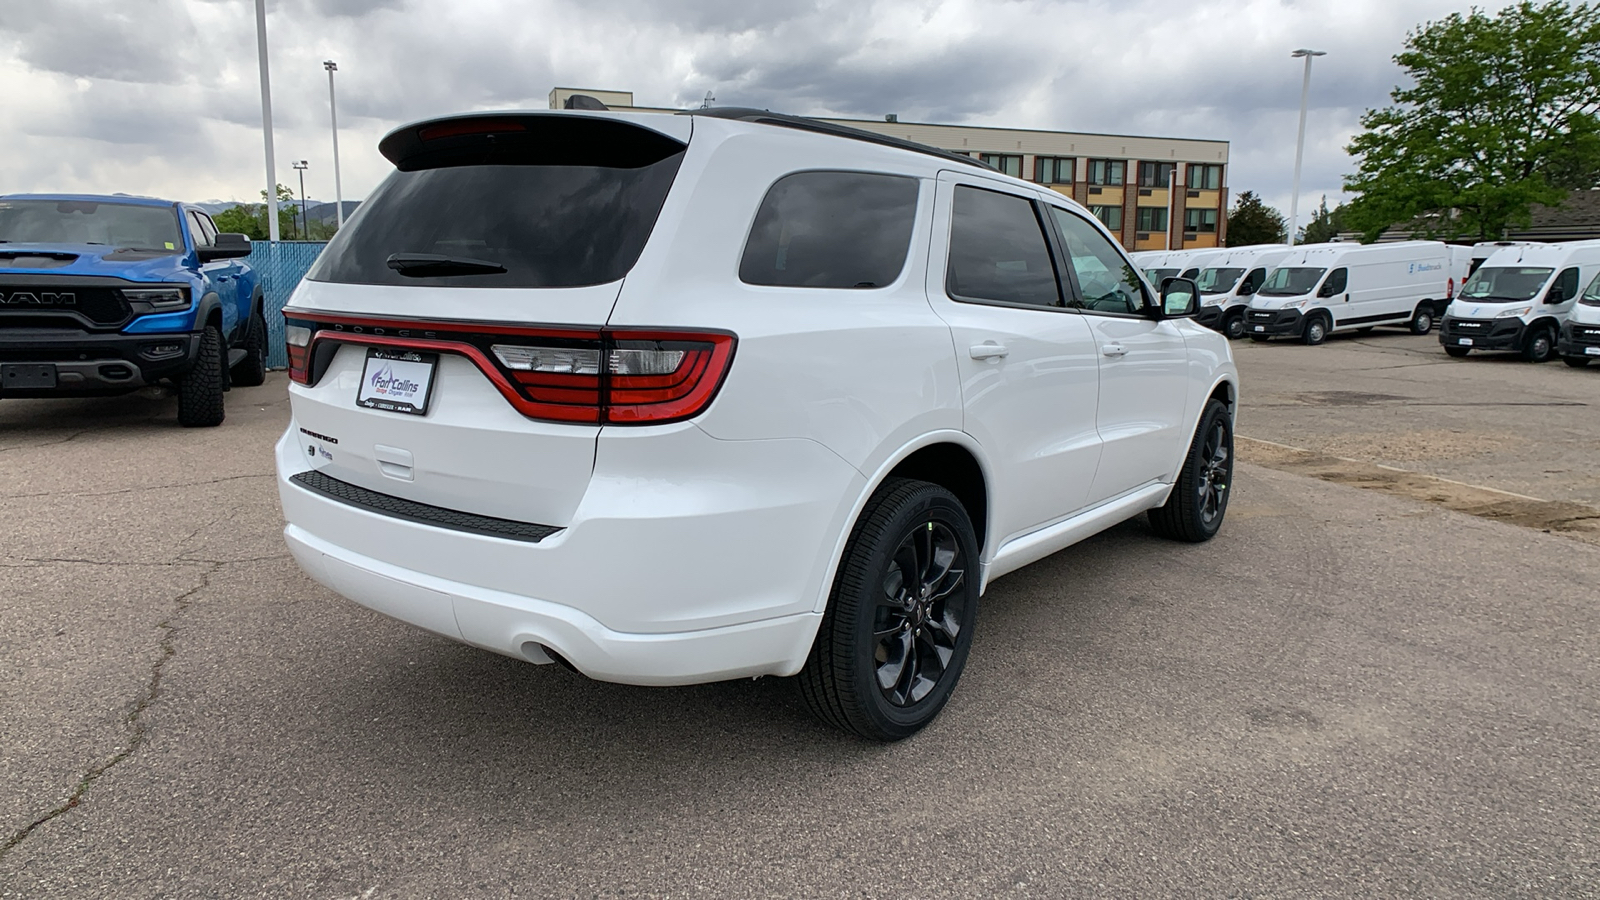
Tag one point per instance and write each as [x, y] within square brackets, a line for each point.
[228, 246]
[1246, 289]
[1555, 295]
[1180, 299]
[1326, 290]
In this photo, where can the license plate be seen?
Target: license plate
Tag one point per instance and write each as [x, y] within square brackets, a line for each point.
[28, 375]
[1464, 342]
[1261, 328]
[1592, 351]
[397, 381]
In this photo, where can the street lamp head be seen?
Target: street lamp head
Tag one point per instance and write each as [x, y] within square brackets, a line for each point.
[1303, 52]
[330, 65]
[301, 164]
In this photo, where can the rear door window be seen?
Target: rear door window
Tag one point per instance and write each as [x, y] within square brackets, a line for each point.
[831, 230]
[998, 251]
[529, 202]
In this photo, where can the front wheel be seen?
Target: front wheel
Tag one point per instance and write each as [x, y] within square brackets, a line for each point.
[899, 621]
[1194, 510]
[200, 391]
[1540, 345]
[1233, 326]
[1458, 352]
[1422, 320]
[1316, 331]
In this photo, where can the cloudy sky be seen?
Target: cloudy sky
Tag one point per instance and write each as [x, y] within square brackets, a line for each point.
[162, 96]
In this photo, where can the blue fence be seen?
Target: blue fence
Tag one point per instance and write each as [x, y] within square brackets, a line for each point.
[280, 267]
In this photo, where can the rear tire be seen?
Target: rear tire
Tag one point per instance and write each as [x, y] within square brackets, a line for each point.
[1422, 320]
[200, 391]
[1540, 344]
[1233, 326]
[902, 610]
[252, 370]
[1577, 362]
[1194, 510]
[1458, 352]
[1315, 331]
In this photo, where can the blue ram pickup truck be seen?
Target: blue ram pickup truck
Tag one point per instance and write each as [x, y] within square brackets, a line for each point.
[103, 295]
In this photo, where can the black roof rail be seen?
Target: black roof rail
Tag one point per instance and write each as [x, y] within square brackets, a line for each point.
[767, 117]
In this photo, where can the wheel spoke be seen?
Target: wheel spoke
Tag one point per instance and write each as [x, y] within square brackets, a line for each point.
[898, 656]
[952, 581]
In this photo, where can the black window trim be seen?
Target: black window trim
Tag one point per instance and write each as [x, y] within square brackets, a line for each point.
[905, 264]
[1059, 247]
[1046, 230]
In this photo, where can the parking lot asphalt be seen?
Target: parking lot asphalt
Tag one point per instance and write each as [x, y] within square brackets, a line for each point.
[1347, 693]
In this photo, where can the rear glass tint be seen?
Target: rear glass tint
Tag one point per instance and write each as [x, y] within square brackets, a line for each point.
[831, 230]
[998, 250]
[566, 215]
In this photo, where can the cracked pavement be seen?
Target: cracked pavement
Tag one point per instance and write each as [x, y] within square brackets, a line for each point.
[1347, 693]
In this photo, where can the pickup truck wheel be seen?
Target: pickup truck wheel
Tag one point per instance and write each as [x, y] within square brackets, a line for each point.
[1540, 344]
[1422, 320]
[1233, 326]
[1316, 330]
[252, 370]
[200, 391]
[1577, 362]
[1194, 510]
[1458, 352]
[899, 622]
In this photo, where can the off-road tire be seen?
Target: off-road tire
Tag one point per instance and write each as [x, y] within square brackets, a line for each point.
[1315, 330]
[1540, 344]
[1458, 352]
[1422, 320]
[252, 370]
[840, 680]
[200, 391]
[1187, 515]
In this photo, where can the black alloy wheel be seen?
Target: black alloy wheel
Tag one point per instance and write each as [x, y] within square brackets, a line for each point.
[899, 622]
[1233, 325]
[1199, 500]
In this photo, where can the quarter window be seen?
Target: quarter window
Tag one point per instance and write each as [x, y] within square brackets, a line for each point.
[998, 250]
[1205, 177]
[1106, 171]
[831, 230]
[1109, 216]
[1200, 220]
[1152, 218]
[1053, 169]
[1107, 282]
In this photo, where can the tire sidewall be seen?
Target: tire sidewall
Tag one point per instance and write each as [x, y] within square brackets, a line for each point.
[1233, 326]
[1313, 338]
[1544, 334]
[1215, 411]
[1422, 321]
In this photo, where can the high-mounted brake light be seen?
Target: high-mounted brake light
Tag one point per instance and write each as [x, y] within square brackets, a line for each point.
[599, 376]
[460, 127]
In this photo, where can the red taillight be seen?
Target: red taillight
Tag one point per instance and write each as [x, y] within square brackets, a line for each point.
[597, 376]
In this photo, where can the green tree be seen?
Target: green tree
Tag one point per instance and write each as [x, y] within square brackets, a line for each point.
[250, 219]
[1254, 222]
[1500, 114]
[1325, 224]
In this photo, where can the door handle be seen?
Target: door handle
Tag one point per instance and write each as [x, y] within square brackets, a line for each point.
[1113, 350]
[987, 350]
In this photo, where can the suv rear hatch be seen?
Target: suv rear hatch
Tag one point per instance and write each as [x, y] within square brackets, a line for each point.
[449, 346]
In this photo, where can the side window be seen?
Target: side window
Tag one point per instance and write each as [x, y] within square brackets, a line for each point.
[1107, 282]
[1254, 281]
[998, 250]
[1567, 284]
[210, 228]
[831, 230]
[196, 230]
[1338, 279]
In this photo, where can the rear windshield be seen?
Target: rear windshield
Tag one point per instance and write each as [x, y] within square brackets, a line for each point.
[1287, 282]
[122, 226]
[519, 216]
[1506, 284]
[1218, 281]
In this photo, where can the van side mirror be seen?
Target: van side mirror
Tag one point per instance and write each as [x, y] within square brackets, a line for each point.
[1555, 294]
[1326, 290]
[1180, 299]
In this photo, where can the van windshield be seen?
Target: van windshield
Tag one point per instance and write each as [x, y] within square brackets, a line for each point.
[1591, 296]
[1156, 275]
[125, 226]
[1505, 284]
[1291, 282]
[1218, 281]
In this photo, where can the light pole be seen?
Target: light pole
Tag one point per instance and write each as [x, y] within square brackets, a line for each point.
[266, 121]
[1300, 145]
[333, 116]
[300, 166]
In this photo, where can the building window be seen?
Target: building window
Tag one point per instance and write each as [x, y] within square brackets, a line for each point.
[1152, 218]
[1010, 165]
[1053, 169]
[1155, 175]
[1205, 178]
[1200, 220]
[1109, 216]
[1106, 171]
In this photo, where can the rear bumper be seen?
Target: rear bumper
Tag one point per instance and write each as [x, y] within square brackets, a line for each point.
[1504, 333]
[86, 364]
[688, 560]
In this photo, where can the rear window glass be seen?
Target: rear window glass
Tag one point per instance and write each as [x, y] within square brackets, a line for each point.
[831, 230]
[517, 216]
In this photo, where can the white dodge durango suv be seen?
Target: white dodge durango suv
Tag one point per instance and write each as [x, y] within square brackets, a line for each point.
[681, 398]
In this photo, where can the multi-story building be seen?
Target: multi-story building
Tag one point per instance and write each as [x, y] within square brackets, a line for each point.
[1127, 181]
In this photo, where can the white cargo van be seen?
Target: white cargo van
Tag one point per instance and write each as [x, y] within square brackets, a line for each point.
[1229, 279]
[1579, 339]
[1482, 250]
[1323, 288]
[1518, 299]
[1161, 264]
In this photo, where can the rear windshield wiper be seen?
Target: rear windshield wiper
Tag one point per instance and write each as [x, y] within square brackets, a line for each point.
[428, 265]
